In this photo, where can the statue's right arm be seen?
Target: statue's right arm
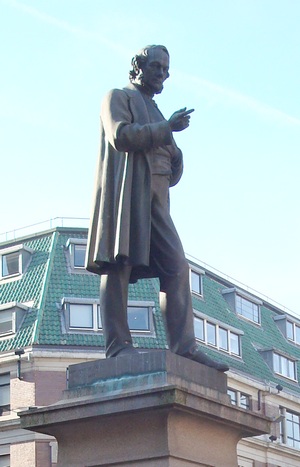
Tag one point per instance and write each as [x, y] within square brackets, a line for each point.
[125, 134]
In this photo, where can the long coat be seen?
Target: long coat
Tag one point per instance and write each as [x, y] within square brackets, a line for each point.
[120, 224]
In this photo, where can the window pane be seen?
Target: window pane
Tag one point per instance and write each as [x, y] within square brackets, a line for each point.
[233, 396]
[99, 317]
[297, 337]
[296, 429]
[223, 339]
[247, 309]
[10, 264]
[196, 282]
[276, 363]
[291, 369]
[293, 429]
[211, 334]
[244, 401]
[138, 318]
[284, 366]
[199, 328]
[255, 312]
[289, 428]
[5, 460]
[79, 256]
[5, 390]
[290, 330]
[6, 323]
[4, 379]
[4, 396]
[238, 304]
[81, 316]
[234, 343]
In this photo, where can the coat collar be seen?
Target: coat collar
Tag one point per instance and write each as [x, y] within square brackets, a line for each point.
[137, 104]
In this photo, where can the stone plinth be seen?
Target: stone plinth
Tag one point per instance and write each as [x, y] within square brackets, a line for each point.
[154, 409]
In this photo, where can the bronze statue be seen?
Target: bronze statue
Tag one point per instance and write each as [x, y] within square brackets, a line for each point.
[132, 235]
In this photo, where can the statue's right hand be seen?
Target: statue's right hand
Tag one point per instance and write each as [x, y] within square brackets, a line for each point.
[180, 119]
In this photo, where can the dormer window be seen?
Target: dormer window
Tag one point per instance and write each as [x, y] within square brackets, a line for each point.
[83, 315]
[76, 248]
[14, 261]
[247, 308]
[196, 279]
[293, 331]
[283, 365]
[243, 304]
[11, 317]
[218, 335]
[289, 327]
[79, 255]
[10, 264]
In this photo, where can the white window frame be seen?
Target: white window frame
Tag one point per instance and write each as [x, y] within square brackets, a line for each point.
[70, 248]
[283, 322]
[281, 360]
[239, 395]
[231, 295]
[200, 273]
[17, 313]
[229, 329]
[69, 301]
[96, 317]
[284, 438]
[24, 256]
[150, 306]
[241, 312]
[295, 326]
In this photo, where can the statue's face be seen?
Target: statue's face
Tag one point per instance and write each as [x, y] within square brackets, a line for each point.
[155, 71]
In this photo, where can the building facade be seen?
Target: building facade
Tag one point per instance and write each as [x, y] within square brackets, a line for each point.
[50, 319]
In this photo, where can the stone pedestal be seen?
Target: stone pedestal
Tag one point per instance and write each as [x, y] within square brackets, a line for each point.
[154, 409]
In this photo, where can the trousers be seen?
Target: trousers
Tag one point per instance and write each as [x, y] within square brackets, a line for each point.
[168, 259]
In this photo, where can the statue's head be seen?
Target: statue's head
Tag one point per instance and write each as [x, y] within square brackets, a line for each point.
[150, 68]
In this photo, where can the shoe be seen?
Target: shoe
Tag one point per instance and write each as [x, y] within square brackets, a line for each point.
[198, 356]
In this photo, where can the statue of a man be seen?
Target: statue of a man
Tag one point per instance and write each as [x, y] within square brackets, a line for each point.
[132, 235]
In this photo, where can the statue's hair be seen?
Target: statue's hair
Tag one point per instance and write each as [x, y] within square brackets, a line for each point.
[141, 58]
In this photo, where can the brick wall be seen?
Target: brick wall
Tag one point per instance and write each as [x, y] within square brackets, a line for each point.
[49, 386]
[22, 454]
[37, 388]
[22, 394]
[43, 454]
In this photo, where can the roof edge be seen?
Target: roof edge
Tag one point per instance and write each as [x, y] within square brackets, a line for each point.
[43, 233]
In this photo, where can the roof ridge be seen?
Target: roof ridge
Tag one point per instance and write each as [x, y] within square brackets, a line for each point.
[35, 335]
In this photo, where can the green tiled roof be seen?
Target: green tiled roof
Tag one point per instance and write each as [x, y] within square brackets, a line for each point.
[27, 289]
[48, 279]
[62, 283]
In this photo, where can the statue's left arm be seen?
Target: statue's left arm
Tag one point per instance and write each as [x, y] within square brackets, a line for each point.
[176, 166]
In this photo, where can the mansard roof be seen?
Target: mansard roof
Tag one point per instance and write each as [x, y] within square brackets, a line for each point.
[48, 279]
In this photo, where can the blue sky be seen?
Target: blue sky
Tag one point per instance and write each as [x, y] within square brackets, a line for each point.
[236, 62]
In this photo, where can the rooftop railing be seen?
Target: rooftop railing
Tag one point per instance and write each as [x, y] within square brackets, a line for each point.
[44, 225]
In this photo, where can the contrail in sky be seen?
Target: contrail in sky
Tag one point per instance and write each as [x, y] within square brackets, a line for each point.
[204, 88]
[64, 25]
[215, 92]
